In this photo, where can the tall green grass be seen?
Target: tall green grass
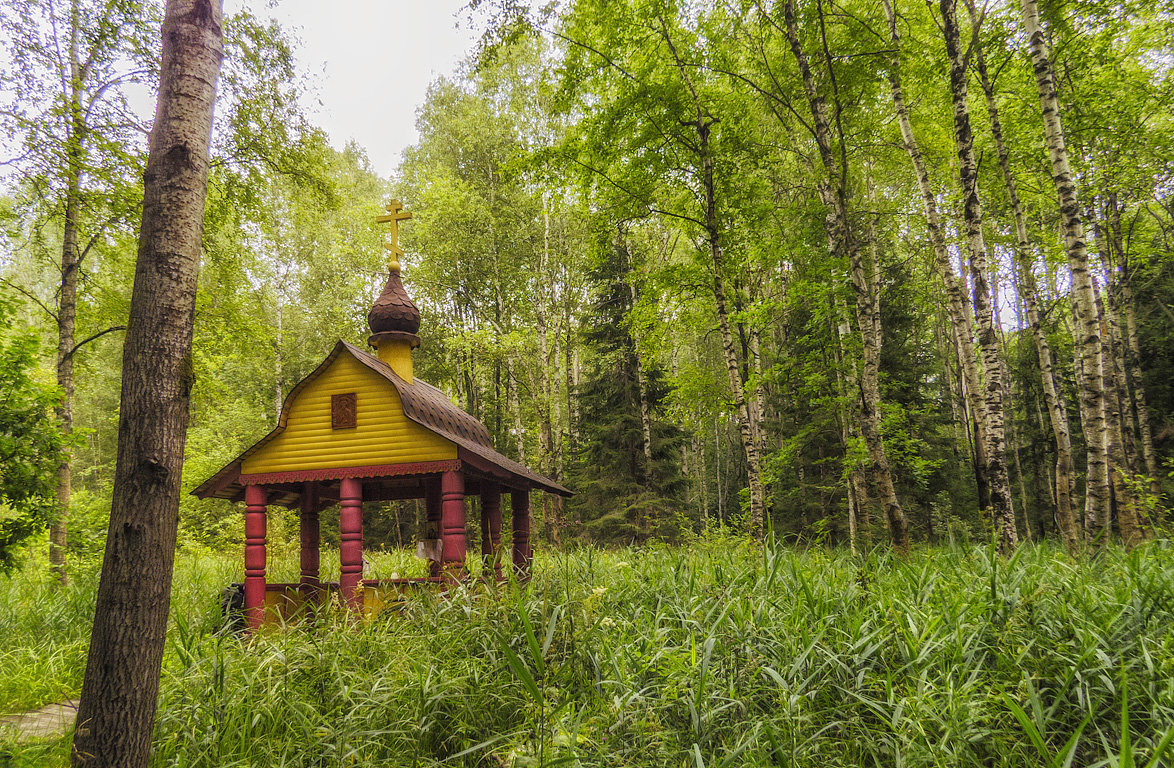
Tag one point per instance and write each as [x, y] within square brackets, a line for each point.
[713, 655]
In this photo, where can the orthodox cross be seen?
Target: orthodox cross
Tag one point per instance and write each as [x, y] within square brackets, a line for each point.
[395, 214]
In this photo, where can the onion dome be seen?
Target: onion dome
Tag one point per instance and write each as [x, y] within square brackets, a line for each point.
[393, 311]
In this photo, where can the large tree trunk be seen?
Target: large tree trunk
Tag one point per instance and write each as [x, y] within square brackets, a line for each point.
[117, 710]
[1028, 292]
[841, 244]
[1002, 511]
[1087, 332]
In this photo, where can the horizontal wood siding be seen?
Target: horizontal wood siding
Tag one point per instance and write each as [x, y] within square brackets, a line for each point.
[383, 435]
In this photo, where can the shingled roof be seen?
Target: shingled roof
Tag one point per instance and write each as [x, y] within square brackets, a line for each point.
[422, 403]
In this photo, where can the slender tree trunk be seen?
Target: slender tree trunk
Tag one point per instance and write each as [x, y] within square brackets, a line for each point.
[641, 378]
[1112, 331]
[849, 417]
[67, 293]
[66, 321]
[278, 342]
[1136, 383]
[1002, 510]
[1087, 332]
[1119, 459]
[1028, 292]
[758, 397]
[841, 243]
[747, 429]
[117, 709]
[956, 302]
[1124, 326]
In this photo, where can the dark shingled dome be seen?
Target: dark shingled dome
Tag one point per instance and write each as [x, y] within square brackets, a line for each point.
[394, 310]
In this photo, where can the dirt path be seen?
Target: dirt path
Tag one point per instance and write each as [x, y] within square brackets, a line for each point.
[48, 722]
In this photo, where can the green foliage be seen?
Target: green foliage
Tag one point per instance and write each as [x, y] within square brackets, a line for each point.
[621, 498]
[31, 442]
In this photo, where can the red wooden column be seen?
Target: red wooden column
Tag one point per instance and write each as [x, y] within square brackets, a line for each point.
[520, 503]
[255, 498]
[490, 530]
[432, 524]
[350, 550]
[311, 538]
[452, 525]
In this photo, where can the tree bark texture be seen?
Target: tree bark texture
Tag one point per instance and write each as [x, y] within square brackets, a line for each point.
[1028, 292]
[117, 709]
[1086, 331]
[840, 244]
[1119, 455]
[1002, 511]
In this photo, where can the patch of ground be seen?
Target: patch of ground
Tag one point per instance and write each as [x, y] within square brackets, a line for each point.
[48, 722]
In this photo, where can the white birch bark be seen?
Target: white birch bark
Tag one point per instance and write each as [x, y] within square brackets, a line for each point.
[841, 244]
[1028, 295]
[1087, 332]
[1002, 510]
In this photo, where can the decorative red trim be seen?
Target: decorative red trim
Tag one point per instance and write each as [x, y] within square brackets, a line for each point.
[339, 473]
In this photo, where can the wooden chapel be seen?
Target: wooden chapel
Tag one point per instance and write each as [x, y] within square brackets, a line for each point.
[361, 427]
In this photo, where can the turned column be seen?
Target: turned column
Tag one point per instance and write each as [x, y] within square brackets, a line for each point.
[350, 550]
[432, 523]
[255, 499]
[452, 525]
[520, 505]
[310, 534]
[490, 530]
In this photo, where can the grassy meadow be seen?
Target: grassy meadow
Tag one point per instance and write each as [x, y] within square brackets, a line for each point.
[715, 654]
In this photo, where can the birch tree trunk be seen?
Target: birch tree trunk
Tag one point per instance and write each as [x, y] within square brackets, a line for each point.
[1119, 468]
[1002, 510]
[840, 244]
[702, 123]
[1087, 332]
[67, 294]
[1028, 294]
[849, 417]
[1125, 324]
[956, 302]
[1137, 385]
[117, 709]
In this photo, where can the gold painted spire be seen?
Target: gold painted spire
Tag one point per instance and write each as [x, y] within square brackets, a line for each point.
[395, 214]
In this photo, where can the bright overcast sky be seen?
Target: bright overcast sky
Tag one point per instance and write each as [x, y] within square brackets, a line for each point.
[372, 61]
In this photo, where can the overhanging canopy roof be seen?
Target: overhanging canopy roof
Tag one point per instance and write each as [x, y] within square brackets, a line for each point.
[422, 403]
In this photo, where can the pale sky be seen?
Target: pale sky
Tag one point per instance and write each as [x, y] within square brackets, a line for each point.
[372, 61]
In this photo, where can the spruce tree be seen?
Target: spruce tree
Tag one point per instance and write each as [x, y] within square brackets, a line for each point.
[621, 496]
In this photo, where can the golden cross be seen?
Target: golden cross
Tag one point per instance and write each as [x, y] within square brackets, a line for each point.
[395, 214]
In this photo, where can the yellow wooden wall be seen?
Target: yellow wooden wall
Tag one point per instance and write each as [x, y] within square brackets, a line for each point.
[383, 435]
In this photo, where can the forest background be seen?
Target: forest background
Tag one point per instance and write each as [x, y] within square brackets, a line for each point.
[718, 266]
